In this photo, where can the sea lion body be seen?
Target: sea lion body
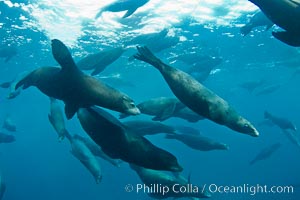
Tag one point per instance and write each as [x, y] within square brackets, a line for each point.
[85, 156]
[74, 87]
[151, 178]
[5, 138]
[96, 150]
[285, 14]
[119, 143]
[56, 119]
[197, 97]
[198, 142]
[280, 122]
[148, 127]
[265, 153]
[130, 5]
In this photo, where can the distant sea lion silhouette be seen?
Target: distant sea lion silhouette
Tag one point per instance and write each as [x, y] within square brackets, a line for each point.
[285, 14]
[122, 5]
[8, 52]
[74, 87]
[196, 96]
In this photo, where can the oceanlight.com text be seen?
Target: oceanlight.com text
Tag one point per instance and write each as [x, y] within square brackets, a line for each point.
[249, 189]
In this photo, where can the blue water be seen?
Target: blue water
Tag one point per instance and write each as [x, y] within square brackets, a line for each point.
[37, 166]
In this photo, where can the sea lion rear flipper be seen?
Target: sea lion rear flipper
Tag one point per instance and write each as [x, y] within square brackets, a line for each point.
[288, 38]
[129, 12]
[63, 56]
[70, 110]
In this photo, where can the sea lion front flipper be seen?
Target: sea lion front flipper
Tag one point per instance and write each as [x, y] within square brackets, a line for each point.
[98, 69]
[129, 12]
[288, 38]
[70, 110]
[63, 56]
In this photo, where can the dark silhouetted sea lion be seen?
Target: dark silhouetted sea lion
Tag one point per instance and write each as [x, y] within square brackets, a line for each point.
[8, 124]
[285, 14]
[8, 52]
[74, 87]
[155, 179]
[258, 19]
[265, 153]
[5, 138]
[148, 127]
[80, 151]
[197, 97]
[280, 122]
[2, 187]
[119, 143]
[122, 5]
[198, 142]
[99, 61]
[56, 119]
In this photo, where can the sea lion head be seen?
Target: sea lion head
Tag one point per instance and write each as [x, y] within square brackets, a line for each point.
[244, 126]
[129, 107]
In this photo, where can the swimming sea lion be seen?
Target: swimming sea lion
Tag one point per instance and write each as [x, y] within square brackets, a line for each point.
[99, 61]
[2, 187]
[119, 143]
[96, 150]
[85, 156]
[285, 14]
[265, 153]
[198, 142]
[280, 122]
[122, 5]
[148, 127]
[197, 97]
[152, 178]
[8, 52]
[56, 119]
[74, 87]
[5, 138]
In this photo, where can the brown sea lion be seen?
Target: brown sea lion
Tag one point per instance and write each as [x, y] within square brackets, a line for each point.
[120, 143]
[196, 96]
[74, 87]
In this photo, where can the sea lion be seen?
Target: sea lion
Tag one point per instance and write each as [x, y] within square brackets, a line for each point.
[80, 151]
[5, 138]
[256, 20]
[292, 137]
[285, 14]
[119, 143]
[188, 115]
[152, 178]
[9, 125]
[198, 142]
[2, 187]
[122, 5]
[148, 127]
[56, 119]
[99, 61]
[161, 108]
[74, 87]
[96, 150]
[282, 123]
[197, 97]
[268, 89]
[265, 153]
[8, 52]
